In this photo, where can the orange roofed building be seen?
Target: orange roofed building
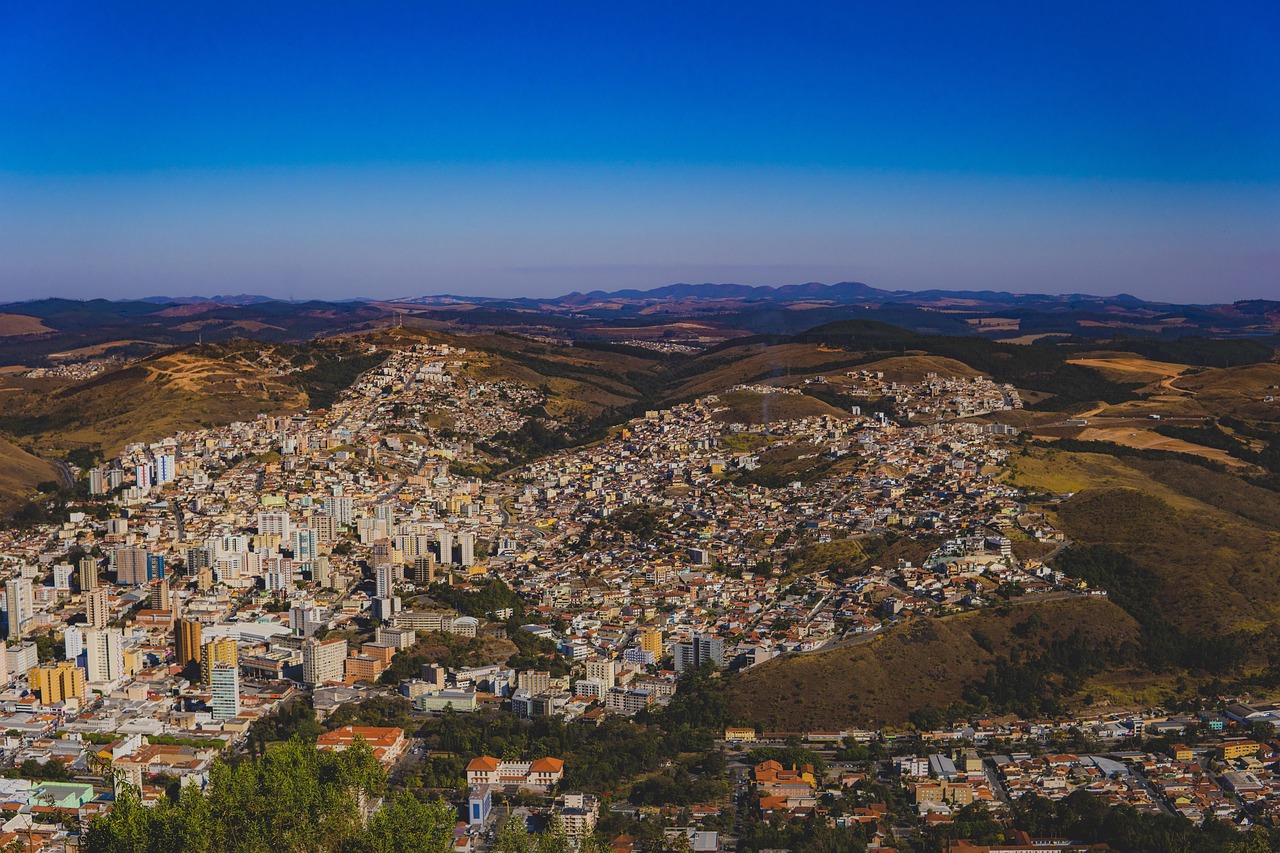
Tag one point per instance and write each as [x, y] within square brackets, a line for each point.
[540, 775]
[388, 743]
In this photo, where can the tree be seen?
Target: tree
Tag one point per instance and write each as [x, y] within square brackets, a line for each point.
[554, 839]
[513, 837]
[407, 825]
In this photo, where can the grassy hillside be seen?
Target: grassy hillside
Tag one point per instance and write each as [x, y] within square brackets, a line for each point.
[749, 407]
[1209, 539]
[146, 400]
[1020, 657]
[20, 472]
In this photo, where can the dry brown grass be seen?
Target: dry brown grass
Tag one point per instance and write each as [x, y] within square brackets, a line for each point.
[12, 325]
[749, 407]
[927, 662]
[20, 471]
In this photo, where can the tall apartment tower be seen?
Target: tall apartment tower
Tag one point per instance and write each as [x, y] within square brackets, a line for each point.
[104, 655]
[158, 596]
[132, 566]
[275, 524]
[651, 641]
[323, 660]
[187, 640]
[424, 570]
[57, 682]
[224, 683]
[88, 573]
[320, 572]
[221, 650]
[445, 541]
[385, 580]
[19, 607]
[467, 549]
[97, 607]
[534, 680]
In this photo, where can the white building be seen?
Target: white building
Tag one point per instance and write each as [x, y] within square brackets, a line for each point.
[104, 655]
[225, 686]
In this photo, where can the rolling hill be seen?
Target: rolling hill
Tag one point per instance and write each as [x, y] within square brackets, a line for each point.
[20, 473]
[957, 659]
[146, 400]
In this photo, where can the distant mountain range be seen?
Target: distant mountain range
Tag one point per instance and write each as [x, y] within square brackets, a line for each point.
[840, 293]
[36, 331]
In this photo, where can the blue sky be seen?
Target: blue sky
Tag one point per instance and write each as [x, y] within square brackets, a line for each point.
[390, 149]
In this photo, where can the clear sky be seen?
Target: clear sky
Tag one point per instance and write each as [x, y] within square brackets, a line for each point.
[338, 150]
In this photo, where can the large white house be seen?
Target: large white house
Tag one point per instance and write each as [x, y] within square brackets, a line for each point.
[540, 775]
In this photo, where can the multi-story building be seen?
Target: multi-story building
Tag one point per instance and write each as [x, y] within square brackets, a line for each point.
[274, 524]
[533, 680]
[604, 671]
[322, 660]
[387, 742]
[214, 652]
[104, 655]
[624, 701]
[57, 682]
[97, 607]
[702, 650]
[224, 684]
[19, 607]
[88, 573]
[539, 776]
[158, 595]
[165, 468]
[578, 814]
[325, 527]
[21, 659]
[340, 508]
[304, 543]
[131, 566]
[467, 549]
[651, 641]
[187, 642]
[424, 570]
[320, 572]
[304, 618]
[385, 580]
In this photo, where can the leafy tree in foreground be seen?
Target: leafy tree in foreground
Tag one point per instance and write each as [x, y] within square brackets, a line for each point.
[294, 798]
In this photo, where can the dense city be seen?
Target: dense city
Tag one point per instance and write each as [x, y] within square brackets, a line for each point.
[357, 574]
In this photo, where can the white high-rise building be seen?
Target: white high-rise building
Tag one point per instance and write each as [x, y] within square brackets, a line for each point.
[279, 576]
[62, 577]
[72, 642]
[323, 660]
[224, 684]
[303, 542]
[304, 618]
[340, 508]
[142, 476]
[275, 523]
[384, 578]
[19, 607]
[467, 549]
[445, 539]
[165, 469]
[104, 655]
